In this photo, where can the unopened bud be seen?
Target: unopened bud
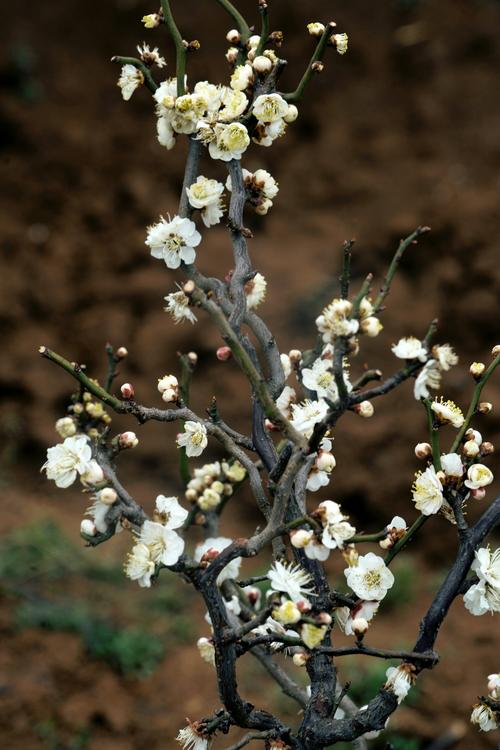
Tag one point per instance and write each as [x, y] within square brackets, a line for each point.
[127, 391]
[108, 496]
[292, 114]
[496, 350]
[485, 407]
[121, 352]
[317, 67]
[476, 369]
[365, 409]
[253, 595]
[325, 462]
[128, 440]
[324, 618]
[191, 496]
[189, 287]
[151, 21]
[78, 408]
[487, 448]
[262, 64]
[223, 353]
[371, 326]
[233, 36]
[303, 606]
[87, 527]
[359, 626]
[474, 435]
[269, 425]
[471, 448]
[316, 28]
[441, 476]
[295, 356]
[423, 450]
[478, 494]
[253, 41]
[210, 554]
[300, 659]
[168, 386]
[192, 358]
[386, 543]
[232, 55]
[300, 538]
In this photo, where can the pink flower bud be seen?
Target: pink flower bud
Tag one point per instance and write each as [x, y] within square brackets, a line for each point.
[127, 391]
[478, 494]
[324, 618]
[223, 353]
[423, 450]
[128, 440]
[269, 425]
[303, 606]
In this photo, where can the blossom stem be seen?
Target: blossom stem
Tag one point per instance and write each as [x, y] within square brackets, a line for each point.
[404, 540]
[434, 436]
[301, 521]
[368, 537]
[474, 402]
[345, 277]
[362, 293]
[186, 375]
[240, 22]
[403, 245]
[180, 47]
[148, 78]
[264, 30]
[319, 52]
[365, 378]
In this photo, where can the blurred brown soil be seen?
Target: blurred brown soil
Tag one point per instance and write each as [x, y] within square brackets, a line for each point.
[402, 131]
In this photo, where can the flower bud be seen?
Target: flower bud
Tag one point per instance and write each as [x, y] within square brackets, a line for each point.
[471, 449]
[318, 66]
[191, 496]
[386, 543]
[325, 462]
[476, 369]
[223, 353]
[65, 427]
[192, 358]
[232, 55]
[487, 448]
[94, 474]
[300, 538]
[121, 352]
[292, 114]
[441, 476]
[269, 425]
[496, 350]
[316, 28]
[253, 41]
[128, 440]
[168, 386]
[365, 409]
[127, 391]
[485, 407]
[189, 287]
[300, 659]
[474, 435]
[478, 494]
[262, 64]
[262, 208]
[233, 36]
[87, 527]
[108, 496]
[295, 356]
[423, 450]
[371, 326]
[359, 626]
[151, 21]
[303, 606]
[78, 409]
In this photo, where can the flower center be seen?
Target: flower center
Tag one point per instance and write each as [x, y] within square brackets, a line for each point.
[174, 243]
[372, 578]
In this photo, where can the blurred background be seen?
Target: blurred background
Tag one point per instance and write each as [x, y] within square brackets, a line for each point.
[402, 131]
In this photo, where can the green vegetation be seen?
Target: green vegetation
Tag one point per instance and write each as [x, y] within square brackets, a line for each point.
[39, 565]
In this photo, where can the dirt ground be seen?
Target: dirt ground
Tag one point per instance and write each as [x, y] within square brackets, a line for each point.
[401, 132]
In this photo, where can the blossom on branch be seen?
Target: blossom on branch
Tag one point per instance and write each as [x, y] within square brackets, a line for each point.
[370, 578]
[173, 241]
[67, 460]
[193, 439]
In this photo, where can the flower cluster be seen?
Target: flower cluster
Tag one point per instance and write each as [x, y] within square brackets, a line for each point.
[484, 714]
[211, 483]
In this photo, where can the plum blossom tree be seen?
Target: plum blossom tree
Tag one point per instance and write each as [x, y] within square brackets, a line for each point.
[286, 453]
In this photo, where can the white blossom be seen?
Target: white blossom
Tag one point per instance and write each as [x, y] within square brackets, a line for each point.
[255, 290]
[242, 77]
[316, 28]
[219, 544]
[399, 680]
[484, 596]
[341, 43]
[334, 321]
[172, 513]
[93, 474]
[370, 578]
[445, 356]
[428, 377]
[269, 108]
[448, 412]
[234, 104]
[173, 241]
[410, 348]
[139, 565]
[163, 543]
[285, 400]
[478, 475]
[151, 56]
[346, 616]
[427, 492]
[307, 414]
[165, 132]
[68, 459]
[178, 307]
[265, 182]
[336, 528]
[265, 135]
[484, 717]
[229, 141]
[193, 439]
[98, 512]
[452, 465]
[190, 739]
[320, 378]
[207, 650]
[290, 579]
[130, 79]
[205, 195]
[494, 686]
